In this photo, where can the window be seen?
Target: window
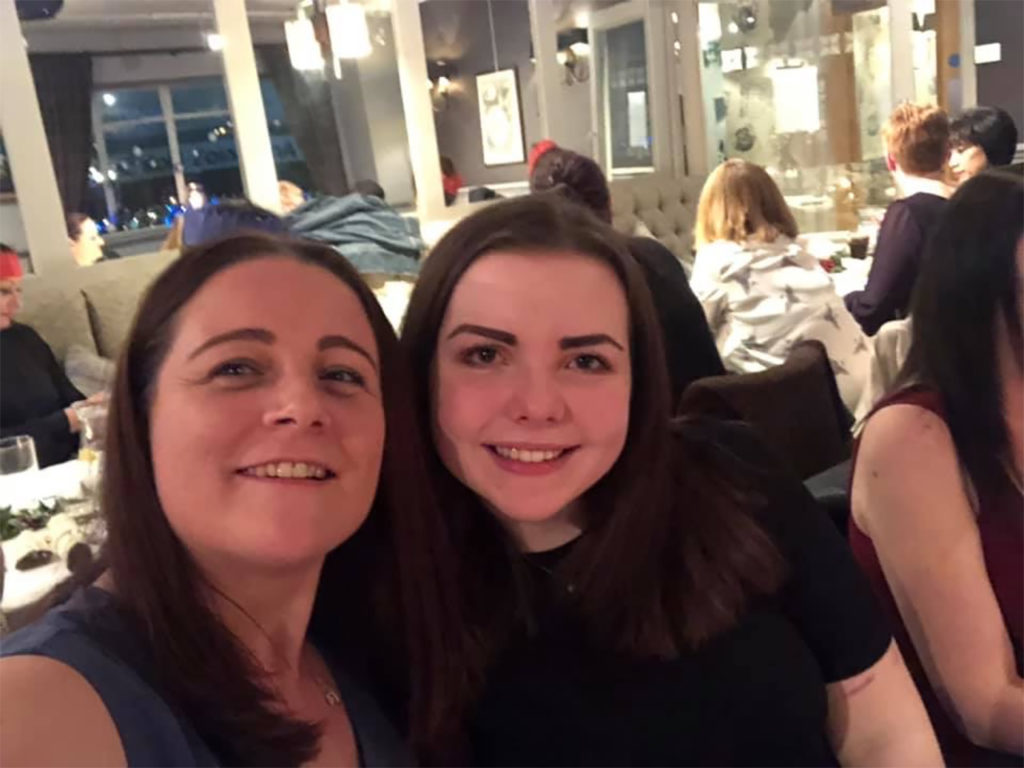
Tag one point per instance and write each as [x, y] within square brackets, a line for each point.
[152, 142]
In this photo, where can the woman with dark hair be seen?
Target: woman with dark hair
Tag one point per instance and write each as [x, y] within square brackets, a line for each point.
[937, 517]
[633, 593]
[982, 137]
[689, 347]
[246, 438]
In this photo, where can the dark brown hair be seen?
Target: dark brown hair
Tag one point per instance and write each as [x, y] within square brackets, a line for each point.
[575, 178]
[670, 556]
[200, 666]
[73, 222]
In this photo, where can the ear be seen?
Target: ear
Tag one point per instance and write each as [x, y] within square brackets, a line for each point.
[890, 163]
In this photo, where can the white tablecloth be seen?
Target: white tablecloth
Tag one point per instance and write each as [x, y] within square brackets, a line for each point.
[26, 489]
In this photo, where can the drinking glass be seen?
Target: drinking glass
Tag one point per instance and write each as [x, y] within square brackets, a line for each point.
[17, 454]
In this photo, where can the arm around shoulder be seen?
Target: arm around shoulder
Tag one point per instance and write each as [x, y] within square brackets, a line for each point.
[910, 498]
[50, 715]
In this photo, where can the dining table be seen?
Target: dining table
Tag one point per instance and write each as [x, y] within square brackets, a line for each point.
[67, 489]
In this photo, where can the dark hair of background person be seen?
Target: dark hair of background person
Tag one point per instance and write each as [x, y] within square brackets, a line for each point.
[575, 177]
[447, 166]
[73, 222]
[369, 188]
[200, 666]
[968, 288]
[670, 556]
[690, 350]
[990, 128]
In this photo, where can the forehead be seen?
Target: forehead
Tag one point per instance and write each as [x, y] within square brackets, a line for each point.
[287, 297]
[555, 288]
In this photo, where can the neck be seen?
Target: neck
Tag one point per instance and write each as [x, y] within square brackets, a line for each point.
[542, 535]
[269, 613]
[912, 183]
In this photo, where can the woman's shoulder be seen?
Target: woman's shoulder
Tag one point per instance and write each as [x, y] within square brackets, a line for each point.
[85, 651]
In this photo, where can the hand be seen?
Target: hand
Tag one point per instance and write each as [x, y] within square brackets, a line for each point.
[73, 422]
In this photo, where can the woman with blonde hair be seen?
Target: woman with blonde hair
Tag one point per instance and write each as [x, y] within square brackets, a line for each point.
[761, 290]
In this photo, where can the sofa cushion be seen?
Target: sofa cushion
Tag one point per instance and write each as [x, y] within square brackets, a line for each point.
[665, 204]
[58, 313]
[113, 296]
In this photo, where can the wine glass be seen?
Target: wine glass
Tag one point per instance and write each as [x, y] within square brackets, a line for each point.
[17, 464]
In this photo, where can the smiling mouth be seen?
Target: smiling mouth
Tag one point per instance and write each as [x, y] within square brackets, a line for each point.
[289, 470]
[530, 455]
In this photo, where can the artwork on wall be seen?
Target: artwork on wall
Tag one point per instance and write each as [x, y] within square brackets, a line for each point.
[871, 66]
[501, 122]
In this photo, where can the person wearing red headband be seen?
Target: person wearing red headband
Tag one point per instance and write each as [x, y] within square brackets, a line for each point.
[35, 395]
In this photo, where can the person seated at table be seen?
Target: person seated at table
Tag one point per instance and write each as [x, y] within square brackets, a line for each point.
[761, 289]
[937, 498]
[36, 397]
[982, 137]
[451, 180]
[689, 348]
[260, 448]
[86, 241]
[291, 196]
[917, 147]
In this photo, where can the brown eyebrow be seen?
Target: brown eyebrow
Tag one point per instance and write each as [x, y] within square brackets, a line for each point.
[491, 333]
[245, 334]
[266, 337]
[330, 342]
[591, 340]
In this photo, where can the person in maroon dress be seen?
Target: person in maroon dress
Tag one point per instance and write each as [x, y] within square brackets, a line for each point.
[938, 511]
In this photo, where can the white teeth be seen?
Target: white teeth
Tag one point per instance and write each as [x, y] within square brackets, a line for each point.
[525, 456]
[287, 469]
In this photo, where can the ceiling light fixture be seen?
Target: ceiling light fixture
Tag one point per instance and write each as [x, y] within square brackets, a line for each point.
[109, 99]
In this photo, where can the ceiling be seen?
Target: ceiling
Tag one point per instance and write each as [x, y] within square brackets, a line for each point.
[78, 14]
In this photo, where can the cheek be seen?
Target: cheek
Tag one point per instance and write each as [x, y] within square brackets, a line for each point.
[464, 404]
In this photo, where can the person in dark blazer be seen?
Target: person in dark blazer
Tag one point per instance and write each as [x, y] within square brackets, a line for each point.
[917, 143]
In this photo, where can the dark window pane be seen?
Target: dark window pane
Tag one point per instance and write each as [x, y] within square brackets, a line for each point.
[141, 174]
[209, 155]
[199, 96]
[119, 105]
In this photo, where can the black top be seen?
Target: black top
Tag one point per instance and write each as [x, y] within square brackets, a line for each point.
[901, 243]
[34, 393]
[689, 346]
[753, 695]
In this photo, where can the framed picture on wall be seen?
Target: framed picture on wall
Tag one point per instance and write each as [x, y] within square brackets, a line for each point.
[501, 121]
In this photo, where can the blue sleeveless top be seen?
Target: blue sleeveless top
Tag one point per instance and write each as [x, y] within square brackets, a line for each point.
[152, 732]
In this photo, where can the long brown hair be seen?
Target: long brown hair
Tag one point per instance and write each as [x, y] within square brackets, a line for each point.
[670, 556]
[199, 665]
[740, 202]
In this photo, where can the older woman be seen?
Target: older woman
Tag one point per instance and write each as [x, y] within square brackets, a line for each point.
[248, 430]
[36, 397]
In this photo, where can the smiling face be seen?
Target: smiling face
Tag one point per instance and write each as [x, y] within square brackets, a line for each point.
[10, 301]
[267, 424]
[532, 383]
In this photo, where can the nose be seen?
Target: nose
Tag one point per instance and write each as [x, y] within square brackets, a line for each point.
[537, 399]
[296, 400]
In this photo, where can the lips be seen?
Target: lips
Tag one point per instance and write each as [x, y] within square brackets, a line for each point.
[289, 470]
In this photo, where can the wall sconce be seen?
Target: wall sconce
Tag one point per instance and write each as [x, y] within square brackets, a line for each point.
[441, 76]
[574, 55]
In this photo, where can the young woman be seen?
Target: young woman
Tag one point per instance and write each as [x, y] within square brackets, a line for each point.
[938, 509]
[761, 290]
[689, 347]
[257, 402]
[632, 593]
[982, 137]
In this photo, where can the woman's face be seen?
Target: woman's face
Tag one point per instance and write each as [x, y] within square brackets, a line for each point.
[10, 301]
[88, 248]
[532, 382]
[967, 160]
[267, 424]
